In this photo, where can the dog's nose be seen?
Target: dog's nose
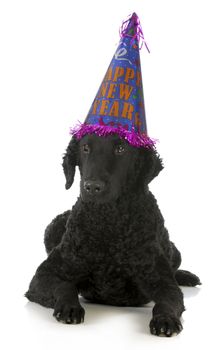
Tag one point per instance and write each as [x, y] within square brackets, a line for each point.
[94, 187]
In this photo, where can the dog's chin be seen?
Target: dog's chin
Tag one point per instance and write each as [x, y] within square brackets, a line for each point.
[105, 199]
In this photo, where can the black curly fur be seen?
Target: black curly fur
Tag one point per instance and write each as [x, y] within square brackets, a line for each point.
[116, 251]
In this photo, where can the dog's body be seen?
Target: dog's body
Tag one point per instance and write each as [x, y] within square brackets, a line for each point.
[112, 247]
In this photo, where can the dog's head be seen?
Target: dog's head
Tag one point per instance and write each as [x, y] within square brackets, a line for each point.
[109, 166]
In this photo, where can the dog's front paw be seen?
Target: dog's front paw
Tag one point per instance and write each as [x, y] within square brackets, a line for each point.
[65, 312]
[165, 325]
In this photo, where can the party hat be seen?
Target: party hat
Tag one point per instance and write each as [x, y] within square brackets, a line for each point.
[118, 107]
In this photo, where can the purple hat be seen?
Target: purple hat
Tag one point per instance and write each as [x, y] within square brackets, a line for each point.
[118, 107]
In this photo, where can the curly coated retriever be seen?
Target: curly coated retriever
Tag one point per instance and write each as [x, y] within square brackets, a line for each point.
[112, 247]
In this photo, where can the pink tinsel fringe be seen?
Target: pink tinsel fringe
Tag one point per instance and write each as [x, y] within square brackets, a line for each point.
[133, 22]
[135, 139]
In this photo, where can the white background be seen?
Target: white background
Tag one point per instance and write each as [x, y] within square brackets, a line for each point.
[53, 57]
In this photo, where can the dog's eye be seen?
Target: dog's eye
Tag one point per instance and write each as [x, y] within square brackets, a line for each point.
[86, 148]
[119, 149]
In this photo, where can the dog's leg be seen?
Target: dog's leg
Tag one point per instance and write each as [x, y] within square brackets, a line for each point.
[186, 278]
[49, 289]
[168, 300]
[183, 278]
[55, 230]
[175, 260]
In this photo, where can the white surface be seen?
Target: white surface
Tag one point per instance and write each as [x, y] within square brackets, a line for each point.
[53, 57]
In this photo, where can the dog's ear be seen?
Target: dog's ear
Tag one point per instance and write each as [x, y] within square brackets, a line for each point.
[151, 164]
[70, 160]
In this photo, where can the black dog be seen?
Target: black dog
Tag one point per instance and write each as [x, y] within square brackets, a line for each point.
[112, 247]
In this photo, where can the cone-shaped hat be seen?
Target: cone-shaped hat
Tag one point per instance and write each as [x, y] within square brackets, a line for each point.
[118, 107]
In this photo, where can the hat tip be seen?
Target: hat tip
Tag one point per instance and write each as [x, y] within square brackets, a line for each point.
[134, 15]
